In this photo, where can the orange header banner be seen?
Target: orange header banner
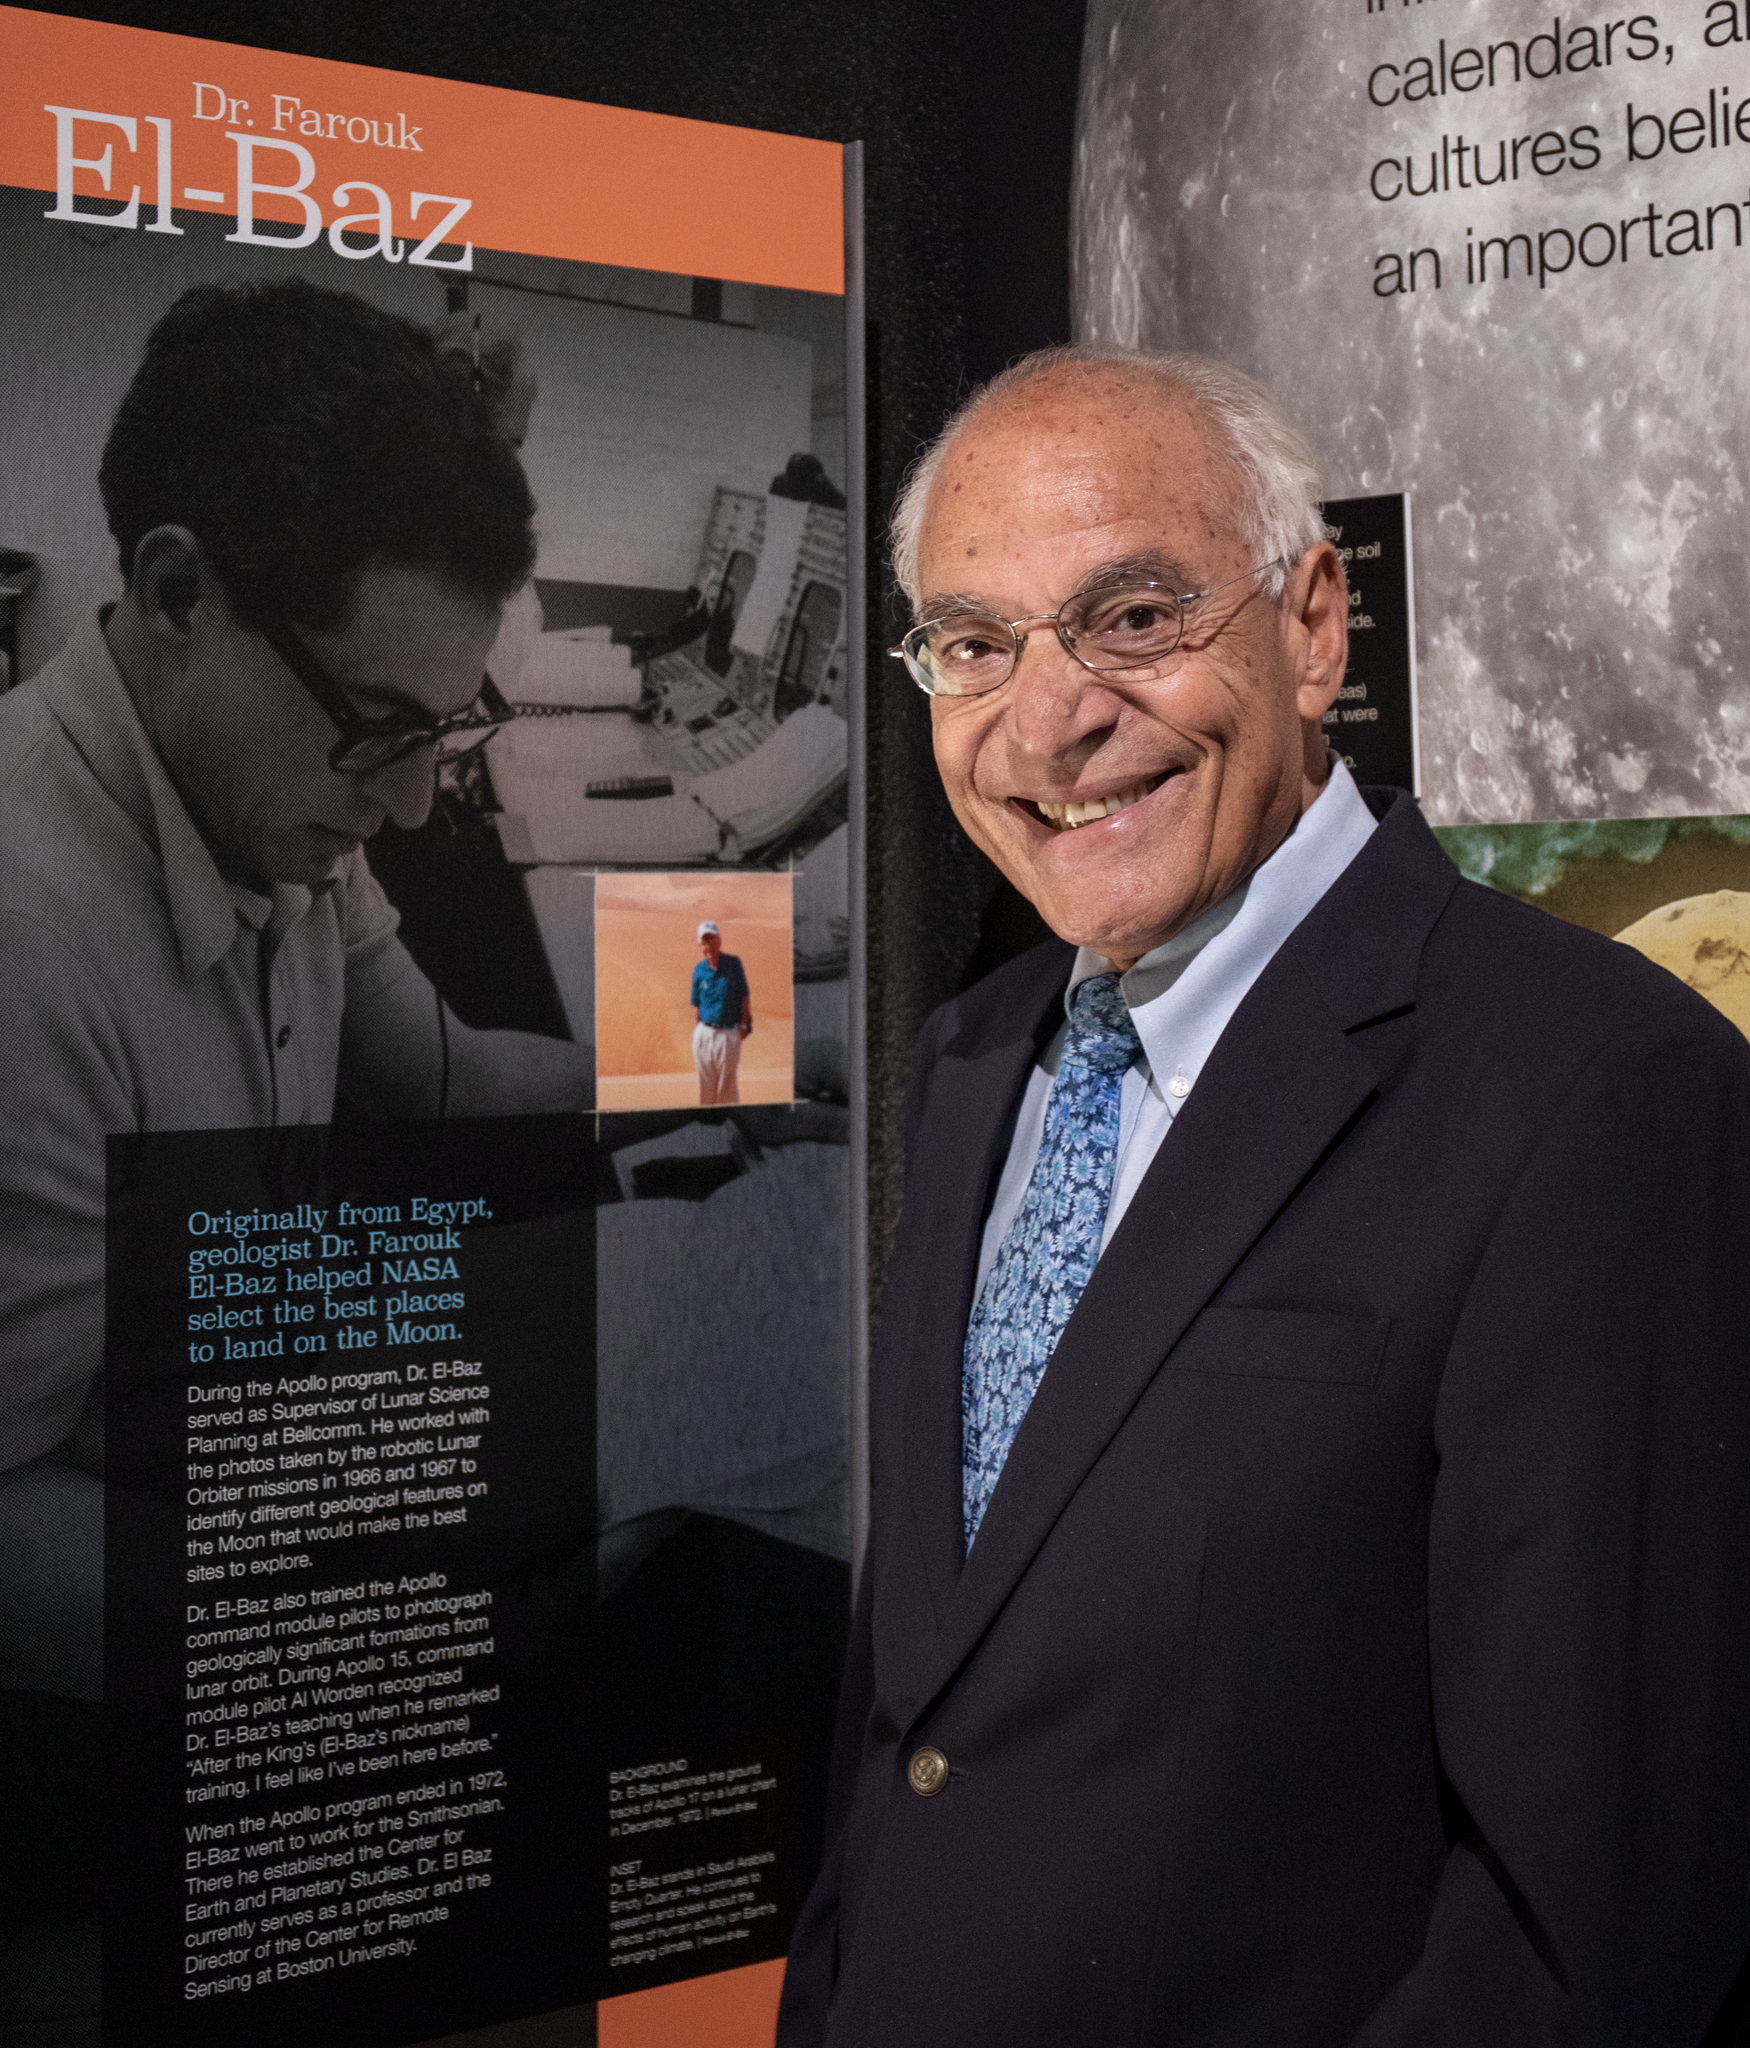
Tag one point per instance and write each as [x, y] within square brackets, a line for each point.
[122, 126]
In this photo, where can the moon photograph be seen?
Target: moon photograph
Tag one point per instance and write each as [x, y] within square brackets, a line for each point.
[1499, 260]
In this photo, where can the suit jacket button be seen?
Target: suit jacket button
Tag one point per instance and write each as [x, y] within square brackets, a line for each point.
[927, 1772]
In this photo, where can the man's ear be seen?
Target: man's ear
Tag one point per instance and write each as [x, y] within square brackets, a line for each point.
[170, 578]
[1318, 598]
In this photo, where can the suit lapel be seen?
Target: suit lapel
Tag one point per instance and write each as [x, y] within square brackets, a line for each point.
[1284, 1083]
[981, 1075]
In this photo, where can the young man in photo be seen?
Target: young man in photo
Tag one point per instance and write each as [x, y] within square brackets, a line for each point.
[318, 522]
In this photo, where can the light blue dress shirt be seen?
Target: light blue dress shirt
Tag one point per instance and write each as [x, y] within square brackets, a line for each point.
[1181, 996]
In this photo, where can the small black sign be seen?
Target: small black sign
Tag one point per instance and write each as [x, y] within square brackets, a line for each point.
[1373, 722]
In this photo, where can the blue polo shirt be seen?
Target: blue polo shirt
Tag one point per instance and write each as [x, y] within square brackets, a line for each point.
[719, 992]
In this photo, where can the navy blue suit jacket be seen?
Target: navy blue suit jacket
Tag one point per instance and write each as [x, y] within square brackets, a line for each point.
[1354, 1650]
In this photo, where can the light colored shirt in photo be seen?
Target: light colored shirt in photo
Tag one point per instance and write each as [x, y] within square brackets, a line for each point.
[134, 998]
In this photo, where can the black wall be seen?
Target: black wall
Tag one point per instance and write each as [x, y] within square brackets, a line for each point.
[966, 112]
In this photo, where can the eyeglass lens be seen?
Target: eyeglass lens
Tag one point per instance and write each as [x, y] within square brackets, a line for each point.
[1107, 629]
[381, 750]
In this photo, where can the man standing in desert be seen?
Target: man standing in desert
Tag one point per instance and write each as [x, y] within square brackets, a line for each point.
[723, 1012]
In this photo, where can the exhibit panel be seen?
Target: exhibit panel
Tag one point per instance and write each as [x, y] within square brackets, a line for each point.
[1493, 258]
[431, 741]
[1493, 263]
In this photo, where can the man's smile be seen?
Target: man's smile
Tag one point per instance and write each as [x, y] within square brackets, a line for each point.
[1066, 816]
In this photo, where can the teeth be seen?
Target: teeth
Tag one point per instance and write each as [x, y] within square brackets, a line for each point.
[1067, 816]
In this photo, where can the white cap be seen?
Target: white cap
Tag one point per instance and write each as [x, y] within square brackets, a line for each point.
[708, 926]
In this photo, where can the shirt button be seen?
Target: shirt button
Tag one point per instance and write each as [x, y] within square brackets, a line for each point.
[285, 1037]
[927, 1772]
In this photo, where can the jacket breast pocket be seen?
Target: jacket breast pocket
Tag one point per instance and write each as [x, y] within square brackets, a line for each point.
[1340, 1346]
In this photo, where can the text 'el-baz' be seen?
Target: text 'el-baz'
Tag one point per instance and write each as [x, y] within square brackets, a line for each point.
[265, 164]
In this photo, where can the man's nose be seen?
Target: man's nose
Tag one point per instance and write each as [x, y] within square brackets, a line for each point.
[405, 788]
[1054, 702]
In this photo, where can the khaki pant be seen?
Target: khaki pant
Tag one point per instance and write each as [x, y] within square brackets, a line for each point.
[717, 1055]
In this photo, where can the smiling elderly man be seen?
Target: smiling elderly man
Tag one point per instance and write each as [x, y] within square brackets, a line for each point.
[1305, 1601]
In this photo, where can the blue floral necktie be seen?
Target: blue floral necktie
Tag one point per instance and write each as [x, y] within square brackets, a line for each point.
[1049, 1251]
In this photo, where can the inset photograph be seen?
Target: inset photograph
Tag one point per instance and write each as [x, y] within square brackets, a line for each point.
[693, 995]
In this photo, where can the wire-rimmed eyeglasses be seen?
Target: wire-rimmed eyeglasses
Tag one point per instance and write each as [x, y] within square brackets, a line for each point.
[366, 744]
[1126, 625]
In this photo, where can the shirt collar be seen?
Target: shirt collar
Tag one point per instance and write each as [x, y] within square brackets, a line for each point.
[1181, 995]
[1157, 971]
[87, 694]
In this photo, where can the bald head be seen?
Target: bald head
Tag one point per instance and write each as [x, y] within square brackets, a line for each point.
[1065, 440]
[1259, 471]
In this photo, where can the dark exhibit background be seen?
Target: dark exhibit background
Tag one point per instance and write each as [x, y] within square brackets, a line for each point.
[966, 113]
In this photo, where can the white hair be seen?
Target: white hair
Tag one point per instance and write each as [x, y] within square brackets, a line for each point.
[1279, 513]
